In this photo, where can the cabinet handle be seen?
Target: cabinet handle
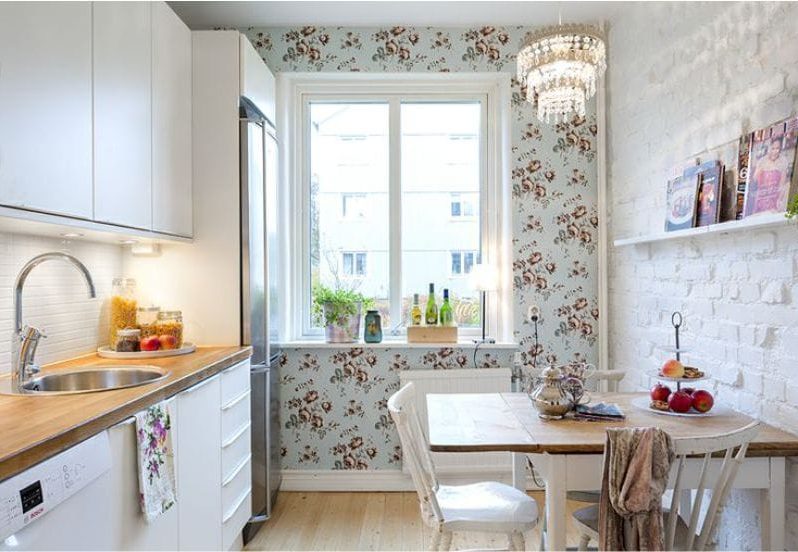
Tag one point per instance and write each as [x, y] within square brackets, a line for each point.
[230, 513]
[236, 400]
[236, 471]
[199, 385]
[126, 421]
[237, 434]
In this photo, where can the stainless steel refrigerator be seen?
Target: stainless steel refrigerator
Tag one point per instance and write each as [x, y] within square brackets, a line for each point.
[259, 303]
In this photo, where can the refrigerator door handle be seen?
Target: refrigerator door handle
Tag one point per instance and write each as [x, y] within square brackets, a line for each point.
[259, 368]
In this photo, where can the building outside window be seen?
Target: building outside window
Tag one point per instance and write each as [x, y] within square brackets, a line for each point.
[463, 262]
[354, 264]
[354, 206]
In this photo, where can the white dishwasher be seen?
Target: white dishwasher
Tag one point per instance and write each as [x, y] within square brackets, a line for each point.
[85, 498]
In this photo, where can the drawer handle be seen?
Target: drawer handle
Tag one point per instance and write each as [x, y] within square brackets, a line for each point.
[237, 434]
[237, 400]
[236, 471]
[198, 386]
[230, 513]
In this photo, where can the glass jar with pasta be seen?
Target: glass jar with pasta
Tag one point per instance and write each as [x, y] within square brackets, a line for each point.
[147, 320]
[170, 325]
[123, 307]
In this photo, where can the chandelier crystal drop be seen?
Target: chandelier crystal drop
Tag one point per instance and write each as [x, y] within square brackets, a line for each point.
[560, 67]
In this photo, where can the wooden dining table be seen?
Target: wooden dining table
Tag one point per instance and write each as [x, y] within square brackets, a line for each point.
[568, 453]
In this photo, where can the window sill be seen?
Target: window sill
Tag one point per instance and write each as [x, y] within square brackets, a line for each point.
[393, 345]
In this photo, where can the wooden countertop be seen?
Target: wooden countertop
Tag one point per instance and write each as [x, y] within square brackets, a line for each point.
[509, 422]
[33, 428]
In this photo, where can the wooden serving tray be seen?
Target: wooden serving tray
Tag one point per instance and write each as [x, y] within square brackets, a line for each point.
[106, 352]
[432, 334]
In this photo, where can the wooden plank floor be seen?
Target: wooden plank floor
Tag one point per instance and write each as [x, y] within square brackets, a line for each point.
[367, 521]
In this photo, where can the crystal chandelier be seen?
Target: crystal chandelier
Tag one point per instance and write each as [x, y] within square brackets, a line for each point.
[560, 66]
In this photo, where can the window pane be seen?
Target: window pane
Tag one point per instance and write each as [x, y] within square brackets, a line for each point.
[430, 238]
[349, 176]
[468, 262]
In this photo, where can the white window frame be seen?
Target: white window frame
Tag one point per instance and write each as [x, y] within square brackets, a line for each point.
[354, 275]
[297, 90]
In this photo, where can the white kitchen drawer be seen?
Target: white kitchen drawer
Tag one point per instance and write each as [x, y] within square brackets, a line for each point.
[236, 449]
[235, 519]
[235, 485]
[235, 380]
[234, 415]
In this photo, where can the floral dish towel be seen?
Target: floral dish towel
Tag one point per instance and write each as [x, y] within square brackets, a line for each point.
[155, 460]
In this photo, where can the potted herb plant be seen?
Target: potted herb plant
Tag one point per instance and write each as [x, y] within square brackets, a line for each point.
[339, 311]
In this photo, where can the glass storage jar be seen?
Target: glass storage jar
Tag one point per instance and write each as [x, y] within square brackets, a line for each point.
[123, 306]
[128, 341]
[147, 320]
[170, 323]
[373, 333]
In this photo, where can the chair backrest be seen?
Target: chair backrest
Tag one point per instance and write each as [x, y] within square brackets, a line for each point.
[415, 449]
[707, 447]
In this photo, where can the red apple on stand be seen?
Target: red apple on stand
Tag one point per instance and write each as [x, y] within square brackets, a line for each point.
[660, 392]
[703, 400]
[680, 402]
[151, 343]
[688, 390]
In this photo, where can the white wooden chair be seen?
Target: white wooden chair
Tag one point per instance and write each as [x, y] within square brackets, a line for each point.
[485, 507]
[678, 534]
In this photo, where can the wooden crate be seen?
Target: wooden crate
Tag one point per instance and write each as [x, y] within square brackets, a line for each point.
[432, 334]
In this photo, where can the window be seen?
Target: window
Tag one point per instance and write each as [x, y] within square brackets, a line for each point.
[461, 206]
[354, 206]
[354, 264]
[463, 262]
[394, 192]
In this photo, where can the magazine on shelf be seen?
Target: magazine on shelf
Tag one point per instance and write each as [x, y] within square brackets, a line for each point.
[743, 152]
[681, 202]
[709, 193]
[771, 168]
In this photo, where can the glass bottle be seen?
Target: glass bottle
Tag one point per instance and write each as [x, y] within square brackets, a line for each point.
[415, 312]
[446, 315]
[123, 307]
[431, 316]
[373, 333]
[170, 325]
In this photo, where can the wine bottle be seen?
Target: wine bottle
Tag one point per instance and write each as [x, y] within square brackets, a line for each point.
[446, 316]
[431, 315]
[415, 312]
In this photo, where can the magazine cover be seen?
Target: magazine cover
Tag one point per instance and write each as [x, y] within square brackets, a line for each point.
[742, 172]
[681, 202]
[771, 167]
[709, 193]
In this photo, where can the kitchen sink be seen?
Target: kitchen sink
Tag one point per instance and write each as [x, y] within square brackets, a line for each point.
[92, 378]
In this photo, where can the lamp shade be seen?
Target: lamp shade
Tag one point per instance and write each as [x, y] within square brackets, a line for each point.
[484, 277]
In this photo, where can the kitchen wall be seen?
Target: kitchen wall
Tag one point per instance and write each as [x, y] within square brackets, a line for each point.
[555, 221]
[684, 77]
[55, 296]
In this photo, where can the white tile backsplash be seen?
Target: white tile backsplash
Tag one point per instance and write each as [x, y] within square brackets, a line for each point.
[55, 297]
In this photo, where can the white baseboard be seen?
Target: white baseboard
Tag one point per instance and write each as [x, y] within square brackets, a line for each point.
[379, 480]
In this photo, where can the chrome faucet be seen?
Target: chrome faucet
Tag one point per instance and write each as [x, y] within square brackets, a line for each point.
[26, 340]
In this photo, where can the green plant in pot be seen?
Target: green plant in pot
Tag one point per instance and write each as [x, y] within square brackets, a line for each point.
[792, 208]
[339, 311]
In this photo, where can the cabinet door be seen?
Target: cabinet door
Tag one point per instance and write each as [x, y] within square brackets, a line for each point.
[122, 114]
[171, 123]
[46, 107]
[199, 481]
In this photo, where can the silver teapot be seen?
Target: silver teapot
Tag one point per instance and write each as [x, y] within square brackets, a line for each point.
[556, 394]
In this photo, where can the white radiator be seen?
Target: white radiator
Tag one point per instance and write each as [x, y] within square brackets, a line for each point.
[488, 380]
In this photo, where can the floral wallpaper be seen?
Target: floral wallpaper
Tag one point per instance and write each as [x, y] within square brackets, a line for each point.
[555, 232]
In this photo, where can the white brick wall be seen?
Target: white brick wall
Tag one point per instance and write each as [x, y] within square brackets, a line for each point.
[685, 77]
[55, 297]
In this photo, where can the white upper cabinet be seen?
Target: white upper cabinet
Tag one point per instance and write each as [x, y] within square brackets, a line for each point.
[46, 107]
[256, 81]
[171, 123]
[122, 114]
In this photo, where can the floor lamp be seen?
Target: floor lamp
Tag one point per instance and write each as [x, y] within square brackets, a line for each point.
[484, 278]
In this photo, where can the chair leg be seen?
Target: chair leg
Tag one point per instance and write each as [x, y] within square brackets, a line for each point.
[584, 540]
[517, 541]
[543, 534]
[435, 542]
[446, 541]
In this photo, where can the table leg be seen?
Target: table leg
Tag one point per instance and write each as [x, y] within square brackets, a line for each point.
[556, 512]
[519, 470]
[773, 504]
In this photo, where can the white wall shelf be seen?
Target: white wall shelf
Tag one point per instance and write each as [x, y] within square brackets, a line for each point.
[753, 222]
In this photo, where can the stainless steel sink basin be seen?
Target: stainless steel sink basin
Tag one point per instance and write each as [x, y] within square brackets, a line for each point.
[93, 378]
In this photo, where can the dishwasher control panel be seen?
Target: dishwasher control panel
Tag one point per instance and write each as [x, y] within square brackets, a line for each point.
[26, 497]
